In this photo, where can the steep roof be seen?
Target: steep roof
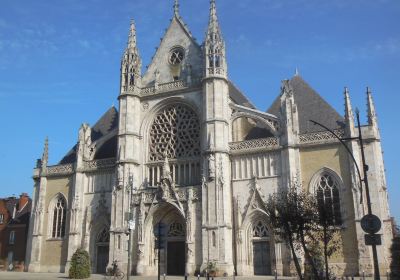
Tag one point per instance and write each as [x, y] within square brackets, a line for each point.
[311, 106]
[238, 96]
[107, 123]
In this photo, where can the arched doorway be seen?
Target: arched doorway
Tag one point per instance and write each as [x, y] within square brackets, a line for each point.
[176, 249]
[261, 249]
[102, 250]
[173, 240]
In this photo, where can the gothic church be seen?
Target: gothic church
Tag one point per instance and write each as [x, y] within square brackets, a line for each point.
[187, 149]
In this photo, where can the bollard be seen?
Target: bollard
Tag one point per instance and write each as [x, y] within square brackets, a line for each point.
[164, 276]
[234, 275]
[387, 275]
[363, 275]
[186, 276]
[207, 276]
[198, 276]
[276, 274]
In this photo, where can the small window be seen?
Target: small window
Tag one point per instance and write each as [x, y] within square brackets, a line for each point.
[1, 219]
[12, 237]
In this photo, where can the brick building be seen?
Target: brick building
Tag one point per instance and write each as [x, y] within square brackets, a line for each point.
[14, 223]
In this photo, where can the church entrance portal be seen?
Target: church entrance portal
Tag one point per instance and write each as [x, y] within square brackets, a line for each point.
[262, 258]
[102, 251]
[176, 258]
[102, 258]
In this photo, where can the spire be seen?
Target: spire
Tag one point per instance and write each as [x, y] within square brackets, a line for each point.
[349, 115]
[132, 36]
[296, 72]
[131, 63]
[45, 156]
[213, 25]
[372, 120]
[214, 46]
[176, 8]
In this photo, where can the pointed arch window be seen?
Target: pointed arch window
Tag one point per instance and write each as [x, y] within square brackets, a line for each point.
[326, 190]
[59, 212]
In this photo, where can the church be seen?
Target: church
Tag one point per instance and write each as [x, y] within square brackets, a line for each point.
[186, 149]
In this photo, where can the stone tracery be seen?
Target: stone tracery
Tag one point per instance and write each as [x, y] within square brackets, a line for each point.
[175, 133]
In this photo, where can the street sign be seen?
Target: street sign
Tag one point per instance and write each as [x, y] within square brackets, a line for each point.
[373, 239]
[371, 224]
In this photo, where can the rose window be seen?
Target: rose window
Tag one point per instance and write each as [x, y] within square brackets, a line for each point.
[176, 56]
[175, 133]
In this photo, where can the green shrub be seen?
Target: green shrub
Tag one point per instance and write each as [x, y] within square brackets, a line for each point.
[80, 265]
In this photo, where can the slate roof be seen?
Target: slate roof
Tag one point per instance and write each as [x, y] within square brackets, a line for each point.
[238, 96]
[107, 123]
[311, 106]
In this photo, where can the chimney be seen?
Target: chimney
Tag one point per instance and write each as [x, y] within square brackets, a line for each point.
[23, 200]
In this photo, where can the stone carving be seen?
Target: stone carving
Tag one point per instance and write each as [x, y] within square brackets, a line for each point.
[100, 164]
[254, 145]
[62, 169]
[175, 133]
[211, 166]
[318, 137]
[260, 230]
[85, 141]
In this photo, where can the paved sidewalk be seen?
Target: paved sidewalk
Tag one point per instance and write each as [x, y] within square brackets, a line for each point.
[48, 276]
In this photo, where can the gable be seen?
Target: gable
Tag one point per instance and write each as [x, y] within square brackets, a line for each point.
[311, 106]
[177, 35]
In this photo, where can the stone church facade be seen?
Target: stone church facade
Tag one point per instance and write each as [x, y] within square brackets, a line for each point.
[187, 149]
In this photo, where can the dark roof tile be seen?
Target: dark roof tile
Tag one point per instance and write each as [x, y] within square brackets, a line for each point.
[311, 106]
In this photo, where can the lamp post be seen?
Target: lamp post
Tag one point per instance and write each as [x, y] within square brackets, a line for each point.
[131, 224]
[365, 180]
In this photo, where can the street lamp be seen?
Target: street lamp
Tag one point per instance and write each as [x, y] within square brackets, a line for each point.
[370, 223]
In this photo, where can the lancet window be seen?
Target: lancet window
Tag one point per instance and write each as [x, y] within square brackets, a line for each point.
[175, 135]
[59, 213]
[327, 193]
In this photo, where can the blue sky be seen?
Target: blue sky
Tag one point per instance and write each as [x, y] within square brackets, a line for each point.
[59, 63]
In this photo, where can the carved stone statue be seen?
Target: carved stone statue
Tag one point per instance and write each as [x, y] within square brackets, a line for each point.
[211, 166]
